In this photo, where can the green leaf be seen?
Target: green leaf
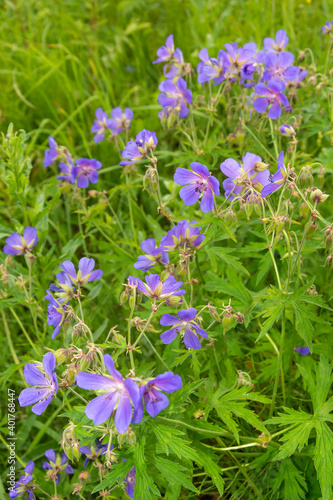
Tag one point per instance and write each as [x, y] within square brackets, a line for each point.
[273, 314]
[223, 254]
[172, 472]
[292, 481]
[169, 440]
[119, 472]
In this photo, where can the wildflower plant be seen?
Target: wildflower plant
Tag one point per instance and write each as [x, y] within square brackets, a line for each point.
[182, 348]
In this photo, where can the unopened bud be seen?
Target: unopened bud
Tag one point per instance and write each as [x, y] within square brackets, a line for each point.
[303, 210]
[123, 297]
[93, 193]
[131, 301]
[88, 360]
[121, 438]
[227, 320]
[310, 228]
[214, 314]
[260, 166]
[329, 260]
[131, 436]
[174, 300]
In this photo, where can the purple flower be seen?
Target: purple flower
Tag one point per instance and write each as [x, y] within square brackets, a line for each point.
[153, 255]
[279, 67]
[121, 120]
[165, 52]
[64, 289]
[56, 465]
[157, 289]
[183, 235]
[272, 96]
[117, 393]
[175, 95]
[199, 182]
[130, 480]
[235, 59]
[301, 74]
[56, 311]
[93, 452]
[278, 179]
[100, 125]
[327, 29]
[277, 45]
[242, 178]
[44, 380]
[85, 272]
[69, 171]
[86, 171]
[145, 142]
[20, 487]
[18, 245]
[51, 154]
[210, 68]
[287, 130]
[303, 351]
[185, 325]
[152, 396]
[175, 66]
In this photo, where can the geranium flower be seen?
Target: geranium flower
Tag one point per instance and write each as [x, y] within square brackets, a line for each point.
[272, 97]
[85, 273]
[185, 326]
[327, 29]
[153, 255]
[242, 177]
[56, 312]
[183, 235]
[86, 171]
[303, 351]
[287, 130]
[236, 58]
[21, 486]
[56, 465]
[121, 120]
[68, 171]
[100, 125]
[145, 143]
[152, 396]
[64, 289]
[118, 393]
[279, 67]
[210, 68]
[130, 482]
[175, 95]
[165, 52]
[52, 153]
[278, 179]
[44, 380]
[199, 183]
[19, 245]
[154, 288]
[279, 44]
[93, 452]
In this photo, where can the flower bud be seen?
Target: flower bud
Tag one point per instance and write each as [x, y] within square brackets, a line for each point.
[329, 260]
[121, 438]
[214, 314]
[174, 300]
[318, 196]
[303, 210]
[123, 297]
[328, 237]
[310, 228]
[260, 166]
[321, 177]
[199, 414]
[131, 301]
[227, 320]
[131, 436]
[70, 373]
[88, 360]
[63, 355]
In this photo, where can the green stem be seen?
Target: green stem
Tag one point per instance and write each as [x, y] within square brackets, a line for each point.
[279, 367]
[129, 199]
[112, 242]
[129, 328]
[155, 351]
[258, 140]
[190, 282]
[78, 395]
[23, 329]
[273, 138]
[144, 329]
[10, 343]
[232, 447]
[191, 427]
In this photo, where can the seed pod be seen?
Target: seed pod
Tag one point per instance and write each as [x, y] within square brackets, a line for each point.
[123, 297]
[131, 436]
[131, 301]
[321, 177]
[173, 300]
[227, 320]
[121, 438]
[303, 210]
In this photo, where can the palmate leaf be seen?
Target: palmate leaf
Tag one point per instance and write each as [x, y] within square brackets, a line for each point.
[173, 473]
[292, 481]
[144, 484]
[169, 439]
[297, 437]
[233, 404]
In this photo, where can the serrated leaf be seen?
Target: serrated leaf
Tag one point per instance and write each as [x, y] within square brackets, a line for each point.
[172, 471]
[169, 440]
[292, 481]
[118, 471]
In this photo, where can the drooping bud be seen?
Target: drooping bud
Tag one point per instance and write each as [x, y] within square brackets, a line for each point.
[174, 300]
[321, 177]
[123, 297]
[88, 360]
[310, 228]
[213, 313]
[303, 210]
[131, 436]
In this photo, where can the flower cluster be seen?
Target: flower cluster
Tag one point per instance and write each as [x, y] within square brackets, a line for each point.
[120, 120]
[64, 289]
